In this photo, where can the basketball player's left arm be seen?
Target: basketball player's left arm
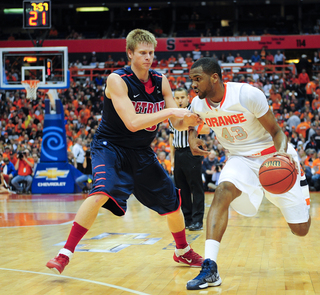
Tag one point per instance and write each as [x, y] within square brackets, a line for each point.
[190, 119]
[280, 140]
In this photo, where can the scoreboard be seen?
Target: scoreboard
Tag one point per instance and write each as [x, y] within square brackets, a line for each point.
[37, 14]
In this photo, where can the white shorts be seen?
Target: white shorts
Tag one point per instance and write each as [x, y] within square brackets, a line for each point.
[243, 172]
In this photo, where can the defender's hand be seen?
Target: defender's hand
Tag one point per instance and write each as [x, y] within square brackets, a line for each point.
[192, 119]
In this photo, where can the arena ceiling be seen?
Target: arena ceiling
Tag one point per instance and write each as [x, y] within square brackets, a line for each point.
[118, 3]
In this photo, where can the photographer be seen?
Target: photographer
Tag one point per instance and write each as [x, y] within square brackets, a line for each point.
[24, 166]
[85, 180]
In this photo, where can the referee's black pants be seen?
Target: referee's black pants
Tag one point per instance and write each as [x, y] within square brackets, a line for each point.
[187, 177]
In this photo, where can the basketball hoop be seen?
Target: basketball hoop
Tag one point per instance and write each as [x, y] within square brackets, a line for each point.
[31, 87]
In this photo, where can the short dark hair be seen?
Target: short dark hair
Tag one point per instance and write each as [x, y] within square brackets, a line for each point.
[209, 66]
[181, 89]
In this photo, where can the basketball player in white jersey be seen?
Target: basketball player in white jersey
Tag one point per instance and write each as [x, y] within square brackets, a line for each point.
[243, 123]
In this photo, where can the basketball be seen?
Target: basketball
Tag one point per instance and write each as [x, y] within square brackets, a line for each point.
[277, 175]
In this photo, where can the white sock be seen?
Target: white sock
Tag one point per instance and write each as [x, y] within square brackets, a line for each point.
[211, 249]
[66, 252]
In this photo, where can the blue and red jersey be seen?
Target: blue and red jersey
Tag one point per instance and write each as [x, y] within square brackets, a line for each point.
[146, 98]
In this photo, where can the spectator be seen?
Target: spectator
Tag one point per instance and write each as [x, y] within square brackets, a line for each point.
[216, 171]
[36, 161]
[223, 59]
[230, 58]
[263, 54]
[3, 188]
[303, 81]
[317, 138]
[188, 59]
[163, 160]
[163, 63]
[267, 87]
[11, 37]
[84, 60]
[8, 171]
[316, 61]
[311, 144]
[79, 154]
[308, 163]
[78, 65]
[121, 63]
[294, 121]
[311, 89]
[238, 58]
[196, 53]
[255, 57]
[94, 59]
[172, 59]
[207, 170]
[172, 82]
[303, 64]
[99, 80]
[53, 33]
[110, 62]
[181, 81]
[315, 168]
[155, 62]
[296, 139]
[302, 128]
[24, 167]
[181, 60]
[279, 59]
[71, 159]
[85, 181]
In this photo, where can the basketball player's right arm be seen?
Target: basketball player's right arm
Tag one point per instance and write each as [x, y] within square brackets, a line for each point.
[117, 90]
[280, 140]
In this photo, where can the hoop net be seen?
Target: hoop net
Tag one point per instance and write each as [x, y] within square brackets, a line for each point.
[31, 87]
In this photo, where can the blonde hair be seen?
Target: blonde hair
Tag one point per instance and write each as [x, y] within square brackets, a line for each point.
[138, 36]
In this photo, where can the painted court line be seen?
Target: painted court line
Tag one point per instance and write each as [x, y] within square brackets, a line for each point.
[78, 279]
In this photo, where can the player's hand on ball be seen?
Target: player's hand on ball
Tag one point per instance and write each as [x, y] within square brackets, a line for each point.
[289, 157]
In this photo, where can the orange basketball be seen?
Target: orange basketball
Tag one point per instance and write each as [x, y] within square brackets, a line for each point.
[277, 175]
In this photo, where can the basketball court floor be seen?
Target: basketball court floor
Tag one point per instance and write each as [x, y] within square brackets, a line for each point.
[133, 254]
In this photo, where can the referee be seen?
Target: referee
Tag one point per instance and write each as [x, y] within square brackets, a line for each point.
[187, 170]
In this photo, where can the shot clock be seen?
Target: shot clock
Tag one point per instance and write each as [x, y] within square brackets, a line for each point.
[37, 14]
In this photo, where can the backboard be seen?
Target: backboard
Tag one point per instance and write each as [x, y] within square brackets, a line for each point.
[47, 64]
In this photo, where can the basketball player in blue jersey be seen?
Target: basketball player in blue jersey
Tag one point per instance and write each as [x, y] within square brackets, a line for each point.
[136, 100]
[239, 115]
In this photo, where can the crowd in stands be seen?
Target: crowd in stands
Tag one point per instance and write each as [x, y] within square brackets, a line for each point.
[294, 99]
[198, 22]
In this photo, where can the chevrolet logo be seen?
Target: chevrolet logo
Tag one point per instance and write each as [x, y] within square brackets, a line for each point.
[52, 174]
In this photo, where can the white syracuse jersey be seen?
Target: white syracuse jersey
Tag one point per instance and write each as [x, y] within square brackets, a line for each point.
[235, 122]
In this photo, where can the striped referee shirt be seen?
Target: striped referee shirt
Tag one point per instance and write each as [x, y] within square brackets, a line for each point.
[180, 138]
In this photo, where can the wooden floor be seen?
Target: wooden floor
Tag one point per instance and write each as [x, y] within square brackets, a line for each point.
[133, 254]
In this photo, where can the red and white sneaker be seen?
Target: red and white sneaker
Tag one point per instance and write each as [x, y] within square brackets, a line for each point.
[188, 257]
[58, 263]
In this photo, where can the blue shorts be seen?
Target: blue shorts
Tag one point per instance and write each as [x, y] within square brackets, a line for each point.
[119, 172]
